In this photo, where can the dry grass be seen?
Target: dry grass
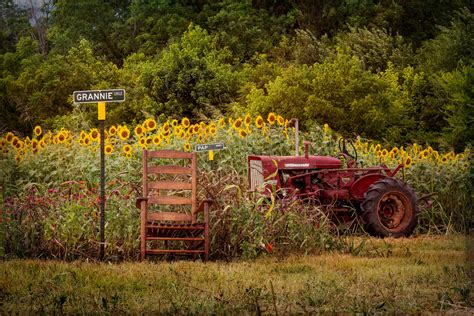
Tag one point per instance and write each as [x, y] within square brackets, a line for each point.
[405, 275]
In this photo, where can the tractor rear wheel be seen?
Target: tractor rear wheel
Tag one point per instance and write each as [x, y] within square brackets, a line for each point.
[389, 208]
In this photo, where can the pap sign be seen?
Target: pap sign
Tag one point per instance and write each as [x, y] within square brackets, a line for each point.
[93, 96]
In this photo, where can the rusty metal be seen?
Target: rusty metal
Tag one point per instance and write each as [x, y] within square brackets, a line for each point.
[324, 180]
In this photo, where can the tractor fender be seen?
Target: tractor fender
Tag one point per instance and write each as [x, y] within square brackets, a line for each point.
[361, 185]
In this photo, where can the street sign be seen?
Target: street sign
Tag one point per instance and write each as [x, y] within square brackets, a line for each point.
[93, 96]
[208, 147]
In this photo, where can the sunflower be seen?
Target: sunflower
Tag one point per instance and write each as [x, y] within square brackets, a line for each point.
[394, 150]
[384, 153]
[142, 142]
[221, 122]
[108, 149]
[166, 127]
[157, 139]
[149, 140]
[237, 123]
[150, 124]
[174, 123]
[34, 144]
[247, 119]
[185, 122]
[242, 133]
[259, 122]
[213, 129]
[407, 162]
[187, 146]
[127, 149]
[37, 130]
[87, 140]
[94, 134]
[9, 137]
[61, 137]
[124, 133]
[112, 130]
[41, 144]
[128, 155]
[271, 118]
[280, 120]
[139, 130]
[377, 148]
[81, 135]
[196, 129]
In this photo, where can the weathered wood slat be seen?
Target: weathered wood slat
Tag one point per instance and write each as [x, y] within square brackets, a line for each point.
[169, 169]
[175, 227]
[170, 185]
[169, 216]
[176, 238]
[159, 251]
[170, 200]
[170, 154]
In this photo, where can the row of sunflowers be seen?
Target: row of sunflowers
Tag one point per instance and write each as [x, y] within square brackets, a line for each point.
[150, 134]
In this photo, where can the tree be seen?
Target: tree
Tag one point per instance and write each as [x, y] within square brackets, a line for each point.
[13, 25]
[192, 77]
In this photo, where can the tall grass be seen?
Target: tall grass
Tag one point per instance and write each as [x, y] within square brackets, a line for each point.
[51, 196]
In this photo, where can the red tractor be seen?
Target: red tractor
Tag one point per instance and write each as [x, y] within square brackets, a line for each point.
[387, 205]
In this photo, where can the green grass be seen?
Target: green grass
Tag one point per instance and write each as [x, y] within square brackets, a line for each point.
[404, 275]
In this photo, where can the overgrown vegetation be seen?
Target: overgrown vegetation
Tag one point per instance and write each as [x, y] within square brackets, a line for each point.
[424, 274]
[51, 188]
[387, 70]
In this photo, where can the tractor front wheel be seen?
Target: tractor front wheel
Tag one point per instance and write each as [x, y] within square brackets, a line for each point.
[390, 209]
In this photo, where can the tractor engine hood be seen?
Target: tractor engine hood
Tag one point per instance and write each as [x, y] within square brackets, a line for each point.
[299, 162]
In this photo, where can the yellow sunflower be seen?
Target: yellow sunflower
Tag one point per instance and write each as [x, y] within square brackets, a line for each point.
[280, 120]
[185, 122]
[271, 118]
[124, 133]
[126, 148]
[221, 122]
[157, 140]
[242, 133]
[259, 122]
[187, 146]
[94, 134]
[108, 149]
[112, 130]
[247, 119]
[237, 123]
[37, 130]
[9, 137]
[408, 162]
[139, 130]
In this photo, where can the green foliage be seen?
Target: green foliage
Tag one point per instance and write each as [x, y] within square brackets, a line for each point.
[207, 58]
[453, 45]
[191, 78]
[338, 92]
[458, 88]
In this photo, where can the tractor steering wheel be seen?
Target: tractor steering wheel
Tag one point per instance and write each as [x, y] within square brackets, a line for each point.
[343, 144]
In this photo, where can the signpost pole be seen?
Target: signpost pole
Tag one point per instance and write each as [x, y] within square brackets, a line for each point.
[101, 115]
[101, 97]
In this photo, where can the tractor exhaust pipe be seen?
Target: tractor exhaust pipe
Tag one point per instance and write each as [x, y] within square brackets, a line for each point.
[295, 123]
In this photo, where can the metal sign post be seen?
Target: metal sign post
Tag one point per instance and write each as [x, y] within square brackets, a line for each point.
[101, 97]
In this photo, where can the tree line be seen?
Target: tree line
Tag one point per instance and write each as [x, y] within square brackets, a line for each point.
[396, 71]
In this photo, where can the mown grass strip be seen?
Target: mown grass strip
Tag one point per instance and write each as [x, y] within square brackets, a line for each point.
[404, 275]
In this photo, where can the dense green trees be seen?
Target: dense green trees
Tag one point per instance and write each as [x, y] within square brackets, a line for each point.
[395, 70]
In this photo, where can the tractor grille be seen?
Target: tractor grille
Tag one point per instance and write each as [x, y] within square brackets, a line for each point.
[256, 174]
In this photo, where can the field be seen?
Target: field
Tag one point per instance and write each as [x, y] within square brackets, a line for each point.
[422, 274]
